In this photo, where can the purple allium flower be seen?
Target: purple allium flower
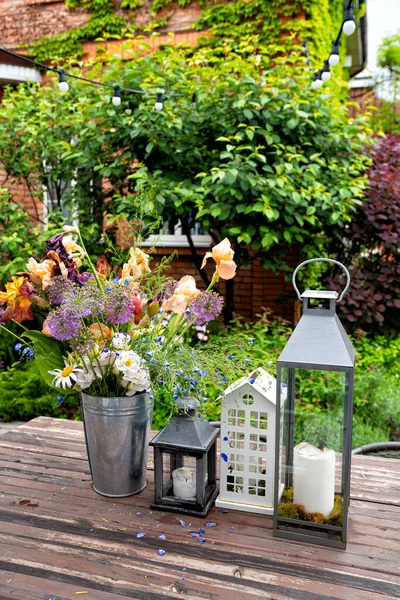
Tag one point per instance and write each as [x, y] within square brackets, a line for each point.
[84, 342]
[85, 301]
[206, 307]
[119, 305]
[63, 325]
[60, 290]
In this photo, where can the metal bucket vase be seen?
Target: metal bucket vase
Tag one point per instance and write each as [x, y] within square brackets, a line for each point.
[117, 432]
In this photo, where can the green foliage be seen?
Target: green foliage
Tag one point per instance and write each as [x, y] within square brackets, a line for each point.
[386, 118]
[48, 354]
[15, 245]
[389, 52]
[260, 143]
[24, 395]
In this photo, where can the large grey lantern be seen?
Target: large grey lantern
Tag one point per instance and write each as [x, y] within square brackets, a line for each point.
[185, 478]
[313, 447]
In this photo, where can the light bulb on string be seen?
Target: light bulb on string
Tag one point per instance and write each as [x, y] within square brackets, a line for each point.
[349, 22]
[116, 99]
[62, 82]
[334, 56]
[159, 102]
[317, 81]
[326, 72]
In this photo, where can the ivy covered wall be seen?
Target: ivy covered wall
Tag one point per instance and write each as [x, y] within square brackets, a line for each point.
[274, 25]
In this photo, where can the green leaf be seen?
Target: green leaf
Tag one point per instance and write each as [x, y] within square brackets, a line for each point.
[48, 355]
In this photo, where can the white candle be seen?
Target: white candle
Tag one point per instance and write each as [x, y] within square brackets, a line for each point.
[314, 478]
[184, 483]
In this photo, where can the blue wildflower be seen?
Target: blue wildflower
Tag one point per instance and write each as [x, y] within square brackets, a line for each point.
[152, 360]
[60, 399]
[108, 289]
[176, 396]
[230, 356]
[149, 354]
[116, 280]
[126, 282]
[203, 373]
[250, 340]
[18, 347]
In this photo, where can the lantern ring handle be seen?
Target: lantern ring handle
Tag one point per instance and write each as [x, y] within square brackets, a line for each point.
[330, 260]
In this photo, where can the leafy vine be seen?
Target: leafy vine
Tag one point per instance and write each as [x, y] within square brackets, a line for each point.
[274, 24]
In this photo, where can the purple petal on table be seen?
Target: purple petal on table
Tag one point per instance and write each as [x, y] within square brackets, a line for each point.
[202, 541]
[158, 525]
[224, 511]
[201, 531]
[184, 569]
[53, 598]
[138, 513]
[224, 457]
[182, 523]
[195, 534]
[231, 528]
[162, 536]
[141, 534]
[212, 524]
[183, 578]
[161, 552]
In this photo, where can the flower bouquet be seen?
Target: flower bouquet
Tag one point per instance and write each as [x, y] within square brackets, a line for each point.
[117, 335]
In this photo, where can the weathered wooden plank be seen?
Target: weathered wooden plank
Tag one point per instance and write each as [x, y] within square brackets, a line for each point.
[45, 461]
[222, 567]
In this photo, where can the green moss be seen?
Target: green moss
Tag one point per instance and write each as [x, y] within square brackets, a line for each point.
[289, 510]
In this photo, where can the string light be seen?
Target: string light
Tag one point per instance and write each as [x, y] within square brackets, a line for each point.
[349, 22]
[326, 72]
[347, 27]
[317, 81]
[62, 82]
[116, 99]
[159, 102]
[334, 56]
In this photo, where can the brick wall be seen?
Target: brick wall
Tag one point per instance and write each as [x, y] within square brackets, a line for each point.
[25, 21]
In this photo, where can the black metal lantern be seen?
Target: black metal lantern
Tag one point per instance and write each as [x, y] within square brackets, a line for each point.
[185, 463]
[313, 448]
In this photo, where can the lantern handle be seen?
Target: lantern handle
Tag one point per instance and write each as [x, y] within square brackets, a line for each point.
[330, 260]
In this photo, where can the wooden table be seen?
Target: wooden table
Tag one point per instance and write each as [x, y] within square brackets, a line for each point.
[59, 539]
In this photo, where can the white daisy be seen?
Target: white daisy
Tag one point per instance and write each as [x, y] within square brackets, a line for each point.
[64, 377]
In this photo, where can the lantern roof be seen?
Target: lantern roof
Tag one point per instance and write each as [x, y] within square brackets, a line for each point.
[260, 380]
[187, 432]
[319, 341]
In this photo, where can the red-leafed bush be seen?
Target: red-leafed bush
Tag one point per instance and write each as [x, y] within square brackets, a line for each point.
[372, 245]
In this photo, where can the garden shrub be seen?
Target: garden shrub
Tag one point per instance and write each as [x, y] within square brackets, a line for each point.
[24, 395]
[371, 247]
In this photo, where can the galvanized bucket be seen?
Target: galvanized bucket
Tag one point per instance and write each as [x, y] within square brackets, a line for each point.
[117, 434]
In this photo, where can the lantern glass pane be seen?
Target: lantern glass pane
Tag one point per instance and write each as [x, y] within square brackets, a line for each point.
[311, 483]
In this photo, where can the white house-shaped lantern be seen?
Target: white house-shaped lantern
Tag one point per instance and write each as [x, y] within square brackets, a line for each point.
[248, 444]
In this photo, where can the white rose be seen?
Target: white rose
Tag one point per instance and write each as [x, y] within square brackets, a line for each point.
[121, 341]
